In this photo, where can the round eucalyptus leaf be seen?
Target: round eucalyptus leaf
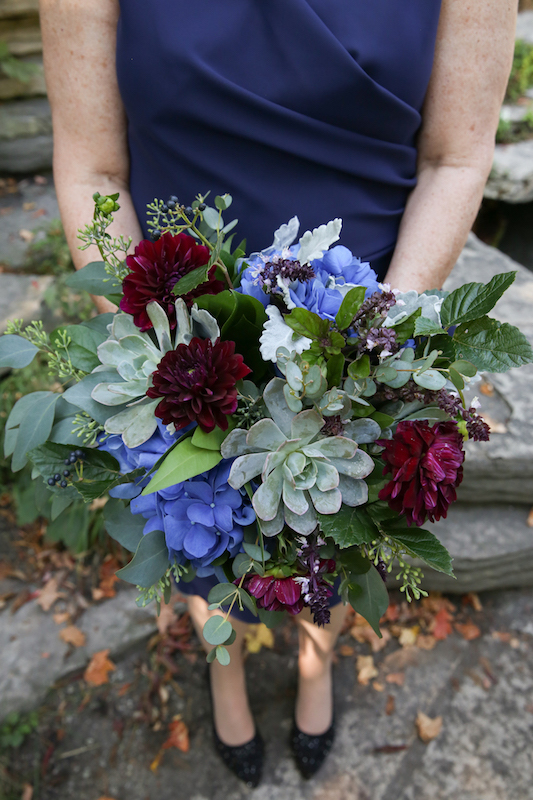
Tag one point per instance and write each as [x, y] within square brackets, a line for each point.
[222, 656]
[217, 630]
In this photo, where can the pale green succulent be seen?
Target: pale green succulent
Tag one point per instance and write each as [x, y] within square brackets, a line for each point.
[302, 473]
[135, 356]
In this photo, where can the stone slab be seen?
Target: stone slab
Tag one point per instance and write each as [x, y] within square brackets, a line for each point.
[491, 546]
[31, 209]
[524, 26]
[501, 470]
[511, 177]
[24, 119]
[21, 297]
[33, 657]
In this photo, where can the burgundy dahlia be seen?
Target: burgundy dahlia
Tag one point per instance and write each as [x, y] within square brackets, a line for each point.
[197, 384]
[426, 466]
[275, 594]
[156, 267]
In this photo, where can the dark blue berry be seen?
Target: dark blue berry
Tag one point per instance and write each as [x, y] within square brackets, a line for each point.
[172, 199]
[66, 461]
[164, 208]
[171, 205]
[201, 207]
[57, 476]
[51, 482]
[79, 453]
[63, 484]
[72, 459]
[66, 473]
[155, 235]
[188, 210]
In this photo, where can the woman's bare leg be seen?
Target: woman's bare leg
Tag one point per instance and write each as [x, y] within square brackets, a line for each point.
[314, 703]
[232, 716]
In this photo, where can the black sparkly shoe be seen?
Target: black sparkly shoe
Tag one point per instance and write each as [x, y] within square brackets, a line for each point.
[245, 761]
[310, 751]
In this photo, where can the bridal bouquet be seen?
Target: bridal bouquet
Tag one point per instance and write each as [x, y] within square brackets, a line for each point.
[279, 422]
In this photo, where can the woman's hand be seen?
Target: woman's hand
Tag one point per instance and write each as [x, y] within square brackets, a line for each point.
[473, 57]
[90, 145]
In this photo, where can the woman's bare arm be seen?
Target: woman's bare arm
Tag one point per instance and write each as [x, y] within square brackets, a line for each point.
[473, 57]
[90, 147]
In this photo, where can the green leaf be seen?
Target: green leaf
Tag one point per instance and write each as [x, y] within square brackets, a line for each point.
[335, 369]
[351, 303]
[71, 528]
[474, 300]
[383, 420]
[360, 368]
[492, 346]
[212, 440]
[84, 340]
[79, 395]
[306, 323]
[59, 503]
[222, 594]
[349, 526]
[405, 329]
[92, 278]
[217, 630]
[254, 551]
[123, 526]
[222, 655]
[191, 281]
[457, 379]
[271, 618]
[34, 415]
[421, 543]
[184, 462]
[426, 327]
[16, 352]
[373, 600]
[354, 561]
[464, 368]
[149, 563]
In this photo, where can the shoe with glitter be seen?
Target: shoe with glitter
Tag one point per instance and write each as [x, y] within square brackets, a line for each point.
[310, 751]
[245, 761]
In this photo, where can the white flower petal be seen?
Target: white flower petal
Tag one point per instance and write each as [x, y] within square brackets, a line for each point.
[276, 333]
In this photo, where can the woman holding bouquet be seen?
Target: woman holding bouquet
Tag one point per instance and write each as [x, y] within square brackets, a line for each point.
[381, 113]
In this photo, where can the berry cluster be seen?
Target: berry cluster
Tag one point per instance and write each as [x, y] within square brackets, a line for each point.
[62, 480]
[171, 205]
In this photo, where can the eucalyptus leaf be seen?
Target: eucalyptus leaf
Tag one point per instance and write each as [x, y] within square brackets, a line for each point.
[149, 563]
[16, 352]
[217, 630]
[92, 278]
[222, 655]
[123, 526]
[430, 379]
[35, 416]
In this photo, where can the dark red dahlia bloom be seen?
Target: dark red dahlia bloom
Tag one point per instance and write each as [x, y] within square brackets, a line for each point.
[197, 384]
[275, 594]
[156, 267]
[426, 466]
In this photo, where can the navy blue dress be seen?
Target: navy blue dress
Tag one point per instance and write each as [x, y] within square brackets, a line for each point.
[307, 107]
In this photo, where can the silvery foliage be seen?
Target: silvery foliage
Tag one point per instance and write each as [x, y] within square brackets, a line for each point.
[408, 302]
[277, 334]
[135, 356]
[302, 473]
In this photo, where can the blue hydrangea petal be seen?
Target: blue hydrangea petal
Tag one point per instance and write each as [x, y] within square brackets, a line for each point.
[201, 513]
[198, 541]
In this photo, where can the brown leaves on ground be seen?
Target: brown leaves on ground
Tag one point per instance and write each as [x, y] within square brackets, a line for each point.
[178, 737]
[428, 728]
[468, 630]
[72, 635]
[441, 627]
[98, 669]
[167, 616]
[529, 521]
[258, 636]
[49, 594]
[362, 632]
[398, 678]
[108, 578]
[366, 669]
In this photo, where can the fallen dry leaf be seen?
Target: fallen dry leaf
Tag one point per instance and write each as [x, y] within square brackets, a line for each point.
[28, 206]
[529, 708]
[398, 678]
[124, 689]
[402, 658]
[49, 594]
[108, 577]
[72, 635]
[408, 636]
[441, 627]
[502, 636]
[473, 600]
[258, 636]
[486, 388]
[98, 668]
[61, 617]
[390, 705]
[364, 633]
[45, 655]
[424, 642]
[378, 686]
[529, 521]
[467, 630]
[41, 212]
[178, 735]
[366, 669]
[345, 650]
[494, 425]
[428, 728]
[26, 235]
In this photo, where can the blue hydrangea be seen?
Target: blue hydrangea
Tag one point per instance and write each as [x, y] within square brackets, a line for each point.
[322, 294]
[202, 518]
